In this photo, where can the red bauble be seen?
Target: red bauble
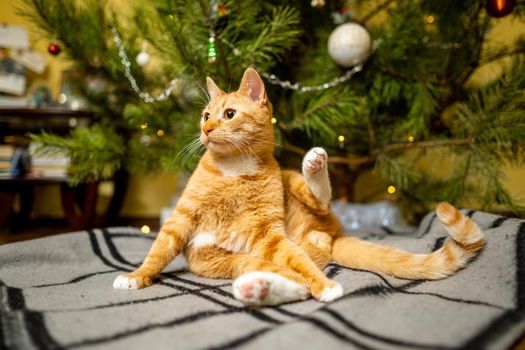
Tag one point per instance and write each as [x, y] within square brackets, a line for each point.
[53, 49]
[500, 8]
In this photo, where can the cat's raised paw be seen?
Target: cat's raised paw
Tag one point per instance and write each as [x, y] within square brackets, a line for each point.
[314, 160]
[130, 282]
[267, 288]
[331, 293]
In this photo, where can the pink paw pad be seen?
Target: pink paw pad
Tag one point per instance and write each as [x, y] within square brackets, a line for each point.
[255, 290]
[315, 160]
[267, 288]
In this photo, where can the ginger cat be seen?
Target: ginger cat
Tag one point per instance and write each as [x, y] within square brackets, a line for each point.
[241, 217]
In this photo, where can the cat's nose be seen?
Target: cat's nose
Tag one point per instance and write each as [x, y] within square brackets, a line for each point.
[207, 130]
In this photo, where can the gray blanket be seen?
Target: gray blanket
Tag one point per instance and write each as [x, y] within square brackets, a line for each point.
[56, 293]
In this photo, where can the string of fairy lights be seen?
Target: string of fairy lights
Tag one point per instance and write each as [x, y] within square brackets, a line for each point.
[126, 63]
[272, 78]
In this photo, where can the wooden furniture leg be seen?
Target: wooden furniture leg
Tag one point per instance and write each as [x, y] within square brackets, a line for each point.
[85, 215]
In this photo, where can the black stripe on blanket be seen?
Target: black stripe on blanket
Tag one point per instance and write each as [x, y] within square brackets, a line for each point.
[500, 325]
[16, 322]
[498, 222]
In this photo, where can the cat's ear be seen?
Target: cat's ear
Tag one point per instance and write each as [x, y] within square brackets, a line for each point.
[253, 86]
[213, 90]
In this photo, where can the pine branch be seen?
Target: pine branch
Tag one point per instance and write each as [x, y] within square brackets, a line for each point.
[480, 38]
[371, 135]
[422, 144]
[96, 153]
[332, 159]
[381, 150]
[502, 55]
[350, 160]
[403, 75]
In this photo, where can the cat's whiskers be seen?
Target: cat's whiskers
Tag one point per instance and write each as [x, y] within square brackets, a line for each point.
[185, 155]
[204, 96]
[241, 144]
[187, 151]
[228, 139]
[248, 147]
[238, 143]
[240, 150]
[265, 141]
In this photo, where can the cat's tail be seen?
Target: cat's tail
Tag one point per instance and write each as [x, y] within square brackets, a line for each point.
[466, 240]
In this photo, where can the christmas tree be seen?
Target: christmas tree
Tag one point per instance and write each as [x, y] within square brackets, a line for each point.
[395, 99]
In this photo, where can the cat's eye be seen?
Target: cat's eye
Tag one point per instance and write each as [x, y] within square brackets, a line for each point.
[206, 116]
[229, 113]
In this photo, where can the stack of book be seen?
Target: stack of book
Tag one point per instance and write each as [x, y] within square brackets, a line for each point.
[6, 154]
[48, 162]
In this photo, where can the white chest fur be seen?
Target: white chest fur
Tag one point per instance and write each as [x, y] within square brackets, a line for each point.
[237, 166]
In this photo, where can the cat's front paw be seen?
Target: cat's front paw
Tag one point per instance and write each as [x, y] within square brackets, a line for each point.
[130, 281]
[314, 160]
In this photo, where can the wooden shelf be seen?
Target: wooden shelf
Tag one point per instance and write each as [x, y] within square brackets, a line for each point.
[33, 179]
[20, 121]
[50, 112]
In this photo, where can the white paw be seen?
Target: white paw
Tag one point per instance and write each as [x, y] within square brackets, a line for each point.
[125, 282]
[331, 293]
[267, 288]
[314, 160]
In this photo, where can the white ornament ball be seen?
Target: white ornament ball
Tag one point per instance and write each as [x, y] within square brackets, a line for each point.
[142, 58]
[349, 44]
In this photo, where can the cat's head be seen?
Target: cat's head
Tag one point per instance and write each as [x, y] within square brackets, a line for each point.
[238, 123]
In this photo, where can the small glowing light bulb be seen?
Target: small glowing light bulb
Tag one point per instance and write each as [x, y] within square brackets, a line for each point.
[411, 138]
[160, 132]
[144, 126]
[145, 229]
[431, 19]
[341, 138]
[273, 120]
[391, 189]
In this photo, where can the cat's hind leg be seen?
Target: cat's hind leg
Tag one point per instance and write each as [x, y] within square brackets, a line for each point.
[312, 188]
[315, 172]
[318, 246]
[283, 252]
[257, 281]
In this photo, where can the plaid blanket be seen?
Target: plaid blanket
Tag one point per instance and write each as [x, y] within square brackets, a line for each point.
[56, 293]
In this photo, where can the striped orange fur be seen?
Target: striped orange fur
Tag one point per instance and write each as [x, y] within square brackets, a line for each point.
[241, 217]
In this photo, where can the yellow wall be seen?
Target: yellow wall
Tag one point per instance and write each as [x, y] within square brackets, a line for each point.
[53, 72]
[148, 194]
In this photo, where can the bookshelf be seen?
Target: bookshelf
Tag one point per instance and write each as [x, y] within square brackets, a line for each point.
[79, 202]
